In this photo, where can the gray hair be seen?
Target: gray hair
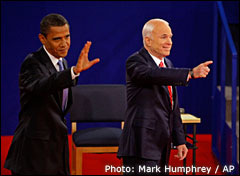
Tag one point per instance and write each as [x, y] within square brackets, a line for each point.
[148, 28]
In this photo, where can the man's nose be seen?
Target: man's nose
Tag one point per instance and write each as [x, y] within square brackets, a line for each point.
[169, 41]
[63, 43]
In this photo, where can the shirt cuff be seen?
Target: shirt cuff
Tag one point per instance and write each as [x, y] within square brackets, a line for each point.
[73, 74]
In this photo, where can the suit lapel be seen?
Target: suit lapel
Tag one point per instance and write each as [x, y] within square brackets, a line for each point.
[50, 67]
[169, 65]
[47, 61]
[151, 62]
[65, 63]
[146, 55]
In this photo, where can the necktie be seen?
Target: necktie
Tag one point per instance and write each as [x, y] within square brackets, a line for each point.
[65, 91]
[169, 87]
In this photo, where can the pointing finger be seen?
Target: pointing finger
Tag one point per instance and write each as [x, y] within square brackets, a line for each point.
[207, 63]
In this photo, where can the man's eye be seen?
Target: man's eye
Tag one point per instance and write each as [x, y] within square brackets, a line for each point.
[56, 39]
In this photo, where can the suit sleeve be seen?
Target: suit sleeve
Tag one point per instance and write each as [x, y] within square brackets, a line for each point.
[141, 73]
[34, 80]
[178, 136]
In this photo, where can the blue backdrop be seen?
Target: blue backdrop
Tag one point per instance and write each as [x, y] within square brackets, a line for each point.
[115, 31]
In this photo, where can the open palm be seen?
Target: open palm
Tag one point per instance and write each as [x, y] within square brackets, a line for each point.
[83, 63]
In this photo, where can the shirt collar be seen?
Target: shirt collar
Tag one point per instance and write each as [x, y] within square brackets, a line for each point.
[53, 58]
[157, 60]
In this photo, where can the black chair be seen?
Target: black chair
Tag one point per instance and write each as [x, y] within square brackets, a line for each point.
[96, 103]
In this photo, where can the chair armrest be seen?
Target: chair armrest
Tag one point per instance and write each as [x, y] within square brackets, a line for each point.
[122, 124]
[74, 127]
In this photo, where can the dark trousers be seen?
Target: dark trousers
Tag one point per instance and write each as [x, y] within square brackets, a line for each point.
[14, 173]
[142, 166]
[60, 173]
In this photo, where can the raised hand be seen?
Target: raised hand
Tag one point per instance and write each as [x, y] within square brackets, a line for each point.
[83, 63]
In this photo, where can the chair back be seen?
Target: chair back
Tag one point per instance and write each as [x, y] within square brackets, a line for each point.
[98, 103]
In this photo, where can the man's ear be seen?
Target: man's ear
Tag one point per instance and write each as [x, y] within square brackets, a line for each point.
[42, 38]
[147, 41]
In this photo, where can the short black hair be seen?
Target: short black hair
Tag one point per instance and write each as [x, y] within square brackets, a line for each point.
[52, 19]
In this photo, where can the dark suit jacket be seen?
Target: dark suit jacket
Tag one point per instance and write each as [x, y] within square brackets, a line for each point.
[40, 143]
[150, 123]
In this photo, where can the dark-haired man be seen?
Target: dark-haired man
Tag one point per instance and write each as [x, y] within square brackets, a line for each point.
[40, 143]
